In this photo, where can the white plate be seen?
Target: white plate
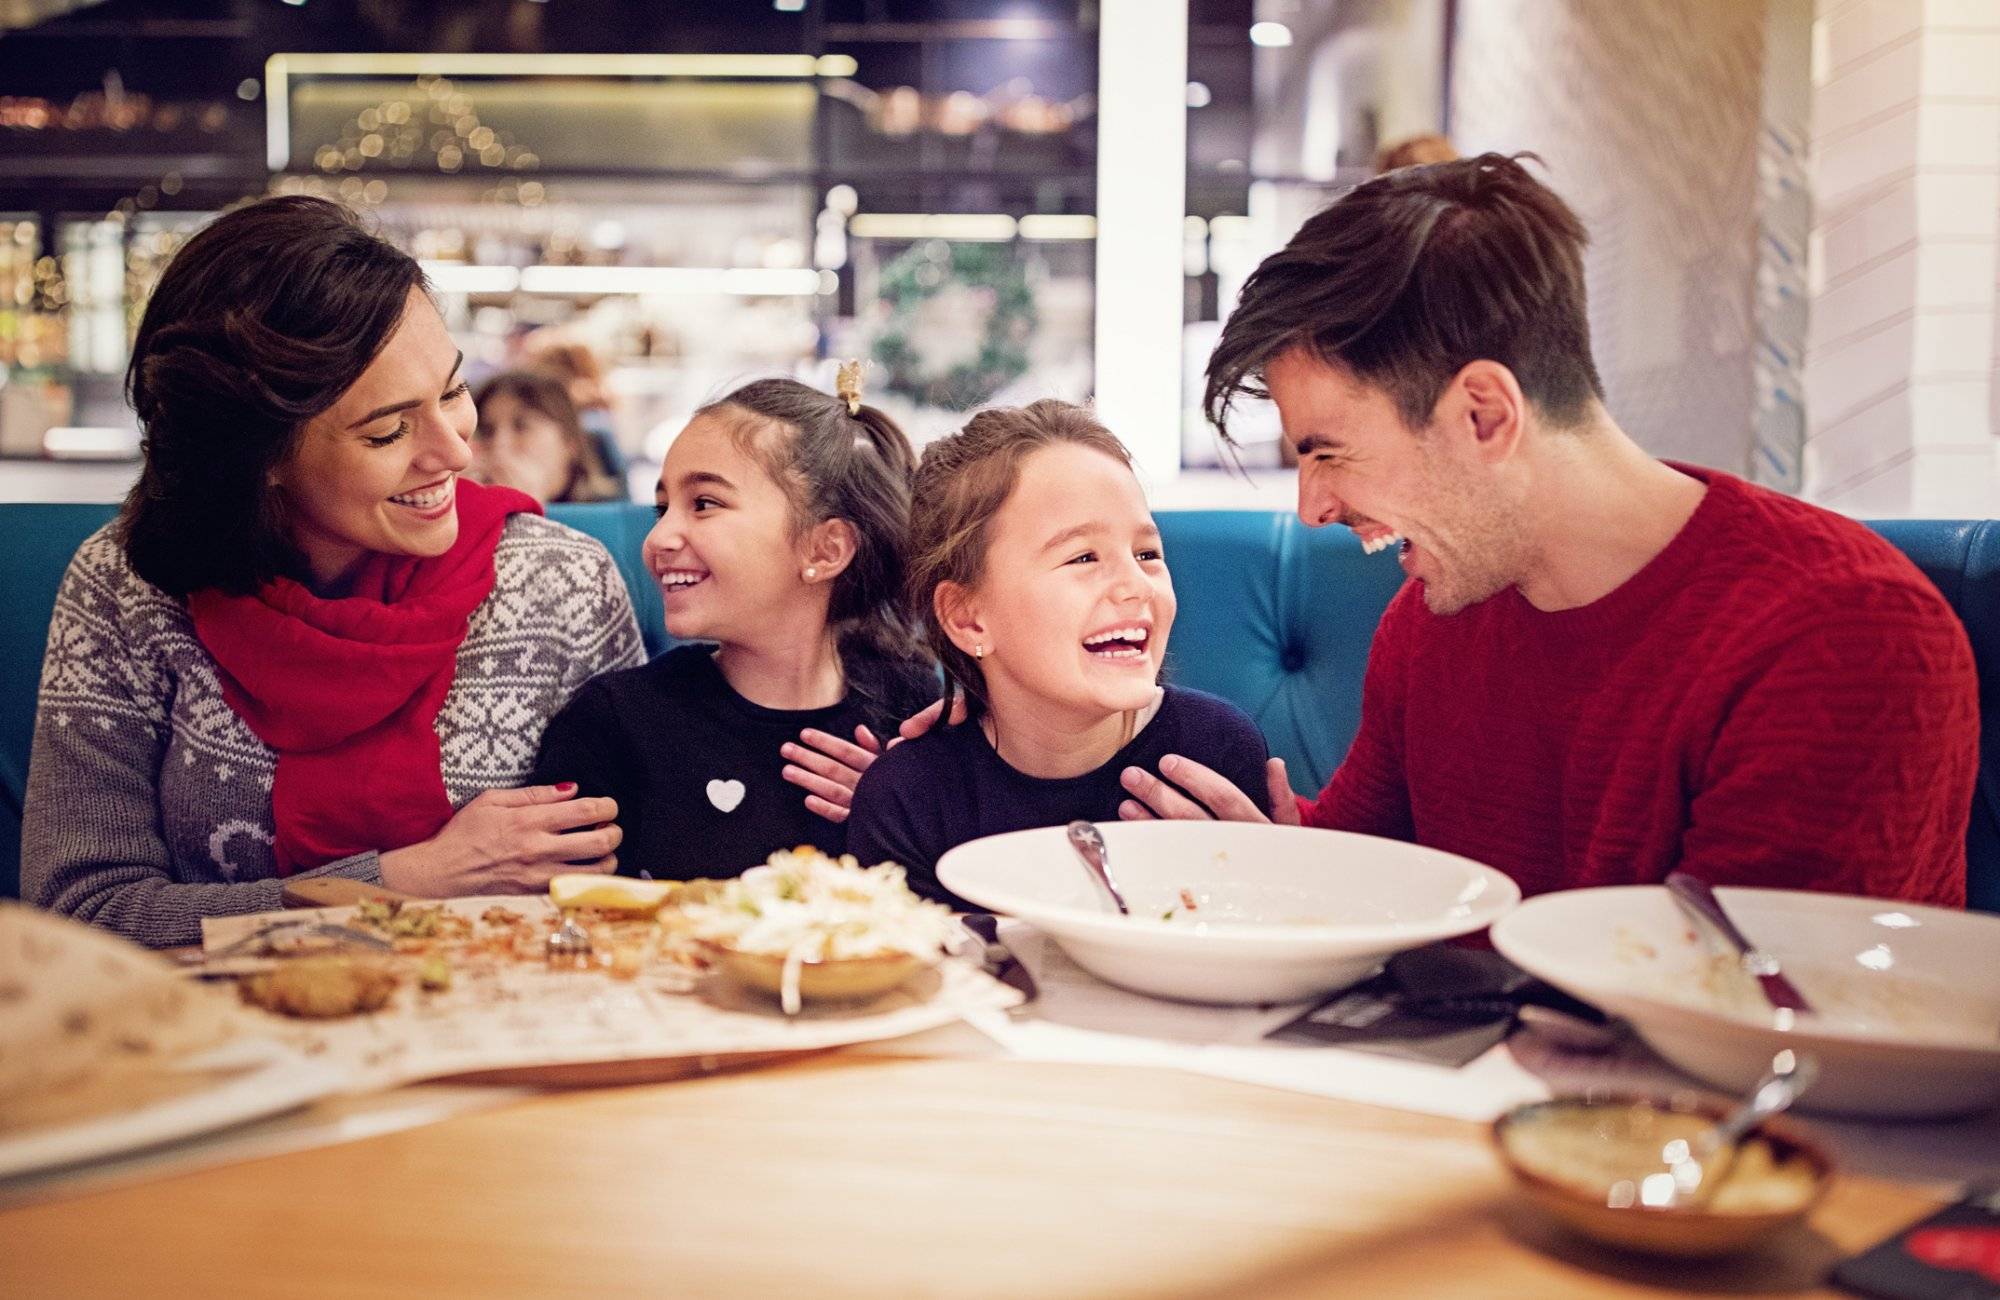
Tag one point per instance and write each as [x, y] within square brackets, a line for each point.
[1284, 912]
[1909, 996]
[276, 1079]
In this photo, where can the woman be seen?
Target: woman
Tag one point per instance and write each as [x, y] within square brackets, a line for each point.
[529, 439]
[306, 647]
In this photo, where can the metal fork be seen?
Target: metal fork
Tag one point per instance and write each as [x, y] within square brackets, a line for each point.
[304, 929]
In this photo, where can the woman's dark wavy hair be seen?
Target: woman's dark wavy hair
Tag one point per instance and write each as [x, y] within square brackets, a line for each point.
[836, 465]
[1407, 278]
[259, 323]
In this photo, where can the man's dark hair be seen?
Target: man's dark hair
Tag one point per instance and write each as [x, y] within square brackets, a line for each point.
[1407, 278]
[259, 323]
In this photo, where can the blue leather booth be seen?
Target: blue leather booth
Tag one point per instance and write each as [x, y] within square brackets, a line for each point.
[1273, 615]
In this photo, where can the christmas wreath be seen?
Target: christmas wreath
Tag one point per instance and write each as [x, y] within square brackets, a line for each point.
[959, 317]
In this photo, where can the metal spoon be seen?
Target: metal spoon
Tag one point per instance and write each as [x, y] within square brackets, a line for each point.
[1696, 1167]
[1701, 905]
[1089, 846]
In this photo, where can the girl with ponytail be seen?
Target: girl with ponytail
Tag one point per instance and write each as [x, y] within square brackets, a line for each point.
[780, 552]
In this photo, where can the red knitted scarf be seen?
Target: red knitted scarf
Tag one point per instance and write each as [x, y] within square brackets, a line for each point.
[347, 691]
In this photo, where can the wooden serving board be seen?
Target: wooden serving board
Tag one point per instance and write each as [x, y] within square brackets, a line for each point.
[336, 891]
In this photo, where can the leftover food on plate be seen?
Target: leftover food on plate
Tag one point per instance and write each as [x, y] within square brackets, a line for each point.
[323, 987]
[803, 924]
[803, 910]
[1869, 996]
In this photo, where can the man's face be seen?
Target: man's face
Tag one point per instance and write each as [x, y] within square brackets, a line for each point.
[1427, 489]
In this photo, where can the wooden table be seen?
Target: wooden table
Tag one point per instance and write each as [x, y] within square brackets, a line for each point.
[884, 1177]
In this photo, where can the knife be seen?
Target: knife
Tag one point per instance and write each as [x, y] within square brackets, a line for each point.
[1705, 909]
[996, 958]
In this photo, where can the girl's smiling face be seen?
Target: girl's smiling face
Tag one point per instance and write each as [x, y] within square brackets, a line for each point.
[1074, 603]
[726, 551]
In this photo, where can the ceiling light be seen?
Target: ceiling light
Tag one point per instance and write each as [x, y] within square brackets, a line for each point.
[972, 227]
[1272, 36]
[458, 277]
[1058, 225]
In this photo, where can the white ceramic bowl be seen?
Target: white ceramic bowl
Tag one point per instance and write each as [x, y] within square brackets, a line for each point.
[1908, 996]
[1283, 912]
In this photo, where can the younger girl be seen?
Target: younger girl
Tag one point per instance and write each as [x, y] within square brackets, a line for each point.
[1048, 602]
[780, 544]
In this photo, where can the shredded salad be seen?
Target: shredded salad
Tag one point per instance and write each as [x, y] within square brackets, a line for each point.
[807, 907]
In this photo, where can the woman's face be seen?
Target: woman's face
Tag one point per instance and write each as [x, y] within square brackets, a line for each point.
[725, 553]
[1075, 604]
[518, 446]
[378, 471]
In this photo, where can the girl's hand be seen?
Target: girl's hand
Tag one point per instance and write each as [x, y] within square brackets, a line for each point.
[509, 842]
[1215, 798]
[828, 768]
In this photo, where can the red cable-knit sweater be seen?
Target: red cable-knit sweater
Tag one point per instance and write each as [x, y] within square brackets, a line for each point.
[1778, 698]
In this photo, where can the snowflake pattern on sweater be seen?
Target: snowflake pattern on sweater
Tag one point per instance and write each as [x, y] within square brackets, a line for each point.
[149, 799]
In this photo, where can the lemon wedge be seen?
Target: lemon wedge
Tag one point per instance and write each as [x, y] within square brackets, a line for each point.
[612, 893]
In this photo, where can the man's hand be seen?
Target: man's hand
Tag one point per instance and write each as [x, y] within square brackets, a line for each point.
[1214, 797]
[918, 724]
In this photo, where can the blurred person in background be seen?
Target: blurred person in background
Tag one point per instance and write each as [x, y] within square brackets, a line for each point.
[1415, 151]
[530, 438]
[572, 361]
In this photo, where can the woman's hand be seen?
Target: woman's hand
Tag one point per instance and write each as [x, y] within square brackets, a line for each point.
[828, 768]
[509, 842]
[1215, 798]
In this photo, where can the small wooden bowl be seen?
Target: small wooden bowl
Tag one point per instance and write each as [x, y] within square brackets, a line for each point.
[846, 979]
[1698, 1232]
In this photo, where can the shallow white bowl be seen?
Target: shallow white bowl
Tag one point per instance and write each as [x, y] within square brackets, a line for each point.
[1284, 912]
[1909, 997]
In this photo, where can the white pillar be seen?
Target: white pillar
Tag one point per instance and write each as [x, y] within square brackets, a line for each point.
[1906, 166]
[1141, 200]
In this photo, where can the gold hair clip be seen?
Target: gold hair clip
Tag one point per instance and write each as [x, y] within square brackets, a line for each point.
[847, 384]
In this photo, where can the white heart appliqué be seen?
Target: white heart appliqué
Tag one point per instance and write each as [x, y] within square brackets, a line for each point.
[725, 795]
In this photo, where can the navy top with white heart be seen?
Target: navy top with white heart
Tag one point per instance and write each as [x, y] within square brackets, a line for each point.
[697, 769]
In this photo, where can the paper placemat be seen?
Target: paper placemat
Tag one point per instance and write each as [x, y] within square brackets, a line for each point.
[506, 1014]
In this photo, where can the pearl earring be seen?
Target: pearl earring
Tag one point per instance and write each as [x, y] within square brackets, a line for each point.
[978, 652]
[811, 573]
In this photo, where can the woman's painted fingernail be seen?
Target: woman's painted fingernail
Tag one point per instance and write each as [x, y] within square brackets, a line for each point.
[565, 787]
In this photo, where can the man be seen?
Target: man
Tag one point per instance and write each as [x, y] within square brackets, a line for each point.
[1603, 667]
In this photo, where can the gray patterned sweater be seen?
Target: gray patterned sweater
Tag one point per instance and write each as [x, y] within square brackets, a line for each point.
[149, 799]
